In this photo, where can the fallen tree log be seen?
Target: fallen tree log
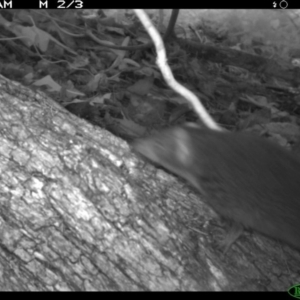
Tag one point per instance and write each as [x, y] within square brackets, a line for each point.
[80, 211]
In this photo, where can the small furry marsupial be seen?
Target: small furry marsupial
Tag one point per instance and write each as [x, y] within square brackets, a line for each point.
[244, 178]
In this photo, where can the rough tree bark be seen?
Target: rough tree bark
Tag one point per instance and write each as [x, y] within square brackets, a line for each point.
[79, 211]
